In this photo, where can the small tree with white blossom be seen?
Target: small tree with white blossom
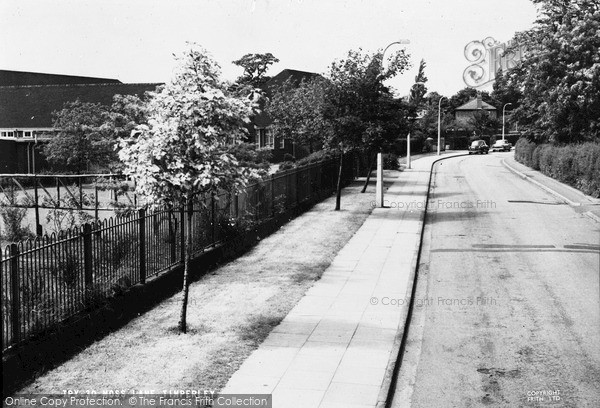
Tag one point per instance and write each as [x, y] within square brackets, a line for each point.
[182, 152]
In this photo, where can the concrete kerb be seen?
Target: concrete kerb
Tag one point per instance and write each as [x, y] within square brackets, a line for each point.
[540, 185]
[524, 176]
[386, 391]
[592, 216]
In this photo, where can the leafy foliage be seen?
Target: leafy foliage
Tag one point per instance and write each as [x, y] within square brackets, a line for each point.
[185, 149]
[418, 90]
[559, 76]
[481, 123]
[192, 123]
[249, 156]
[360, 109]
[12, 217]
[298, 112]
[82, 139]
[577, 165]
[88, 132]
[255, 68]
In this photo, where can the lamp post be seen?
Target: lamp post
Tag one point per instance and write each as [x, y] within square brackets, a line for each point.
[379, 185]
[503, 108]
[403, 41]
[439, 125]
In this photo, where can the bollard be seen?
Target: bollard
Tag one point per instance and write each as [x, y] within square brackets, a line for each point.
[379, 185]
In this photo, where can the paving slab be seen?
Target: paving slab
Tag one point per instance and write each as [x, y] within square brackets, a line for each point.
[335, 346]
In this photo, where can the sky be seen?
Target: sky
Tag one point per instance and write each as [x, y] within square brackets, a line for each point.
[134, 40]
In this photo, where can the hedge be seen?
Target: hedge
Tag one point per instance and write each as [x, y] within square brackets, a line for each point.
[577, 165]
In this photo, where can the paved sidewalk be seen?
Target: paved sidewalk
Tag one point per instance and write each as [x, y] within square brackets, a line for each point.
[335, 348]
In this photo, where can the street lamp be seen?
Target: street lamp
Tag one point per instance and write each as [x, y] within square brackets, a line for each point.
[439, 124]
[504, 107]
[379, 185]
[403, 41]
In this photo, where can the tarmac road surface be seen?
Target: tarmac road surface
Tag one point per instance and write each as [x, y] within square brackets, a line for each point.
[507, 309]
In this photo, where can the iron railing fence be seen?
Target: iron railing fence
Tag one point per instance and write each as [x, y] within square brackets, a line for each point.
[52, 278]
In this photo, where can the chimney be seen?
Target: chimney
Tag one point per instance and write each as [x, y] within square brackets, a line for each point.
[479, 104]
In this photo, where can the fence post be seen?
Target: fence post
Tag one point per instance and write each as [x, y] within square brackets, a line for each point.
[272, 195]
[298, 171]
[287, 189]
[172, 241]
[87, 255]
[182, 241]
[212, 219]
[142, 234]
[96, 202]
[14, 277]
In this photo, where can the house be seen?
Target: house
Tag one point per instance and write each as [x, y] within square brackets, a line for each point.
[27, 101]
[464, 113]
[261, 135]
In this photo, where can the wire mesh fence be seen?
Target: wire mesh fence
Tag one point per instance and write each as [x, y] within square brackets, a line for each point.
[52, 278]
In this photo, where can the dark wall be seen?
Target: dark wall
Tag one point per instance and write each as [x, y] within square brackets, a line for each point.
[8, 156]
[14, 157]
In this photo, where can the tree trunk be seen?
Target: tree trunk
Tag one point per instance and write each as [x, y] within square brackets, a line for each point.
[372, 162]
[186, 266]
[338, 196]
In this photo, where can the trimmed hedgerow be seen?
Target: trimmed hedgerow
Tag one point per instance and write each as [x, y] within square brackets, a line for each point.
[577, 164]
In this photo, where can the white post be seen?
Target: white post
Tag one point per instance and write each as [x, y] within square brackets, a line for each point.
[439, 125]
[379, 185]
[408, 151]
[503, 108]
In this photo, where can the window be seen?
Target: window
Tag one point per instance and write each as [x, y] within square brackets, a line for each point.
[260, 137]
[269, 138]
[7, 134]
[27, 133]
[279, 142]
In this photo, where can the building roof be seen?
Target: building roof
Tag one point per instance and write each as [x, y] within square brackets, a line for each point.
[21, 78]
[295, 76]
[32, 106]
[472, 105]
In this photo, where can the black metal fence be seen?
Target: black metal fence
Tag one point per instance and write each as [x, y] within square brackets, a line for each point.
[52, 278]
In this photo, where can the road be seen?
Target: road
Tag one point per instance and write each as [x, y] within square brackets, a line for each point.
[507, 308]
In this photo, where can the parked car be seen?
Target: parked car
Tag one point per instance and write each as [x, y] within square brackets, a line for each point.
[501, 146]
[478, 146]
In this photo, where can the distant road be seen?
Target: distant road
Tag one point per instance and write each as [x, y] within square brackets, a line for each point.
[508, 301]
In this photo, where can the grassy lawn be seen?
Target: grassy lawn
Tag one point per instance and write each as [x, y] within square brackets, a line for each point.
[231, 311]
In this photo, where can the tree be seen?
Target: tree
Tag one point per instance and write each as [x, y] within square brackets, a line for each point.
[358, 106]
[87, 133]
[81, 138]
[481, 123]
[505, 92]
[183, 151]
[428, 123]
[559, 76]
[298, 112]
[255, 68]
[418, 90]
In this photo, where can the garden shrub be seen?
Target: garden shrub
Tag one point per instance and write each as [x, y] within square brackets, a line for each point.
[577, 165]
[286, 165]
[12, 218]
[390, 161]
[315, 157]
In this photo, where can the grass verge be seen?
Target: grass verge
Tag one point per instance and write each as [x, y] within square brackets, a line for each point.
[231, 311]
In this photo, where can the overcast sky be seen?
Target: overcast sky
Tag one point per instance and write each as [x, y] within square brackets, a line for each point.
[133, 40]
